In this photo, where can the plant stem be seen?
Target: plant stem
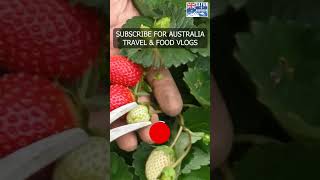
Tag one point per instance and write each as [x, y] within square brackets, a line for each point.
[177, 137]
[181, 123]
[186, 152]
[190, 105]
[181, 120]
[136, 88]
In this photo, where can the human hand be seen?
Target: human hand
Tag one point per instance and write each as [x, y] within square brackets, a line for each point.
[121, 11]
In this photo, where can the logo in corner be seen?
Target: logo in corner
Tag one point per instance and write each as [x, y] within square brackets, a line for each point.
[197, 9]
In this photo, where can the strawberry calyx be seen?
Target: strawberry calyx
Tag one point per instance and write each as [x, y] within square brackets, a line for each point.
[168, 173]
[80, 100]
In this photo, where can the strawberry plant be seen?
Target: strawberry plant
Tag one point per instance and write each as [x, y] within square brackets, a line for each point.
[174, 87]
[272, 49]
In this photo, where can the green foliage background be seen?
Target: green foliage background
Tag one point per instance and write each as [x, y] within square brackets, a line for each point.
[271, 51]
[191, 71]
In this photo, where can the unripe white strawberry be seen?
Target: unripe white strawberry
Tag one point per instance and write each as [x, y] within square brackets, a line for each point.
[160, 157]
[88, 162]
[138, 114]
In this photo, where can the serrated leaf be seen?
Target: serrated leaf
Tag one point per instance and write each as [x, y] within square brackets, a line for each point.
[288, 161]
[147, 7]
[283, 61]
[119, 169]
[196, 136]
[205, 52]
[198, 119]
[198, 158]
[140, 157]
[178, 17]
[160, 56]
[183, 143]
[202, 63]
[200, 174]
[137, 21]
[157, 9]
[199, 84]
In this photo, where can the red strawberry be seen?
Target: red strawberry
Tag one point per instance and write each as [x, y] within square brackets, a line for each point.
[119, 96]
[124, 72]
[31, 108]
[51, 38]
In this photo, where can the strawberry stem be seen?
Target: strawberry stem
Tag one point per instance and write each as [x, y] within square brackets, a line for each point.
[190, 105]
[186, 152]
[177, 137]
[181, 123]
[136, 90]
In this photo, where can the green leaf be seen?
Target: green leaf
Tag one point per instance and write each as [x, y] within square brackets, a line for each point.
[302, 11]
[199, 84]
[147, 7]
[180, 147]
[197, 159]
[202, 63]
[198, 119]
[205, 52]
[196, 136]
[237, 4]
[137, 21]
[157, 9]
[181, 144]
[140, 157]
[283, 61]
[200, 174]
[220, 6]
[119, 169]
[273, 161]
[160, 56]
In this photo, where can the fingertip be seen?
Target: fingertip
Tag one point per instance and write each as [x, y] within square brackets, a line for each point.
[128, 142]
[144, 132]
[144, 135]
[154, 118]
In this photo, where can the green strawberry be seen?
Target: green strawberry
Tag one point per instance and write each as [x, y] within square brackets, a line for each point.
[88, 162]
[160, 157]
[168, 173]
[138, 114]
